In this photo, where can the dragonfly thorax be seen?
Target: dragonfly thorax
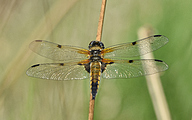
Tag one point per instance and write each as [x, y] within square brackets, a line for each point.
[95, 48]
[95, 52]
[95, 55]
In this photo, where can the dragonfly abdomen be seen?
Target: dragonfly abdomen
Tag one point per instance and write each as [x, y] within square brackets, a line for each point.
[95, 72]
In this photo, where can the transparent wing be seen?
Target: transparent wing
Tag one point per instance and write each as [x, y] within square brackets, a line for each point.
[131, 49]
[58, 71]
[133, 68]
[58, 52]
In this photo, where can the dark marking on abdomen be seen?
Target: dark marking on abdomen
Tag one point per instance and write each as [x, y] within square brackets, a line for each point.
[95, 72]
[94, 89]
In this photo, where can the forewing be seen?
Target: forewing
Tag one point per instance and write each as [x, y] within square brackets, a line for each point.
[131, 49]
[133, 68]
[58, 71]
[58, 52]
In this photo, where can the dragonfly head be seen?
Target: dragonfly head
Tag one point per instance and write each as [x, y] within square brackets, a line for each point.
[96, 44]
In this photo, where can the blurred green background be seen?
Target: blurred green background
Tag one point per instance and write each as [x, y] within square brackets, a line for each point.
[75, 22]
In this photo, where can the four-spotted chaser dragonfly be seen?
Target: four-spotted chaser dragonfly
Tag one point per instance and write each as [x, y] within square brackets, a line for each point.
[98, 61]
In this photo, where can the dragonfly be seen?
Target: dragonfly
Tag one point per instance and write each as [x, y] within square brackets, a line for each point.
[97, 61]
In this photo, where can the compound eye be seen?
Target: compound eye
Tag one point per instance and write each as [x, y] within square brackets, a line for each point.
[91, 44]
[102, 45]
[96, 43]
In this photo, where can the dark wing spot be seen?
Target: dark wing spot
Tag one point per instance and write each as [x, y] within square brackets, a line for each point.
[59, 46]
[130, 61]
[93, 98]
[35, 65]
[38, 41]
[80, 64]
[158, 60]
[133, 43]
[157, 35]
[61, 64]
[111, 63]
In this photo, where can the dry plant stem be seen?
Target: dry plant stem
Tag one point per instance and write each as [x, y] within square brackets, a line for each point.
[101, 19]
[98, 38]
[91, 108]
[154, 84]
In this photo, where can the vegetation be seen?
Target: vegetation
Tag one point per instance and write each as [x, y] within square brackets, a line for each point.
[75, 23]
